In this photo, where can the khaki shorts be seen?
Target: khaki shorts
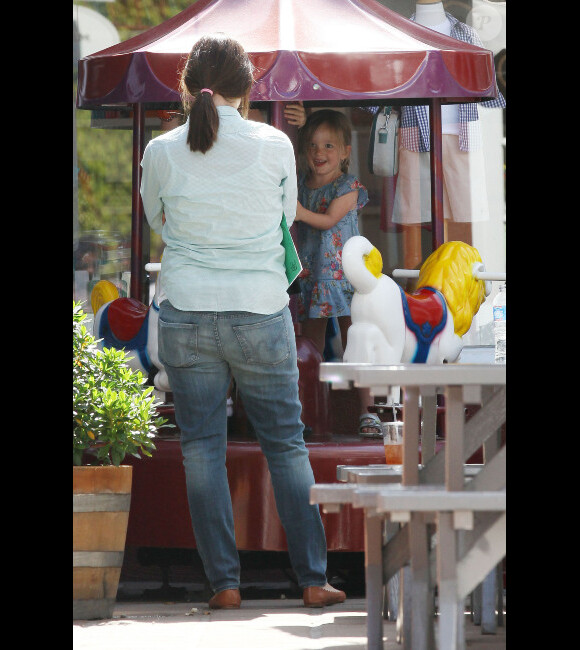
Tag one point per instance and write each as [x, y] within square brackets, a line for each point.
[464, 187]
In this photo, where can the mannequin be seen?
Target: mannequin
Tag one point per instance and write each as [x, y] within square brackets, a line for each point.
[464, 189]
[429, 13]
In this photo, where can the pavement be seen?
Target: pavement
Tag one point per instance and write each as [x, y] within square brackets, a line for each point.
[261, 624]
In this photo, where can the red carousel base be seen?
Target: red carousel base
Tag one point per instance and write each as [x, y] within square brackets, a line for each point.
[159, 515]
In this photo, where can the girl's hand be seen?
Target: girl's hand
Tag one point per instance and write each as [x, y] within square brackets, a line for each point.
[299, 211]
[295, 114]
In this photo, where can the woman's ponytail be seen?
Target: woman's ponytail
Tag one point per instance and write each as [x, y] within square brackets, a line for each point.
[215, 64]
[203, 123]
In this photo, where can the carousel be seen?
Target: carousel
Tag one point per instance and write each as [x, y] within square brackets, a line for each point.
[342, 53]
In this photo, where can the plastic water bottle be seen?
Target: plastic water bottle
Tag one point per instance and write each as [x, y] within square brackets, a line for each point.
[499, 324]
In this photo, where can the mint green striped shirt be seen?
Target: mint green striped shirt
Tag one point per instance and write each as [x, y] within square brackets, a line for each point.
[223, 210]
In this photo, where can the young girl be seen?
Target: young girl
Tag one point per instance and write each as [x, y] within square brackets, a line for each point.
[328, 202]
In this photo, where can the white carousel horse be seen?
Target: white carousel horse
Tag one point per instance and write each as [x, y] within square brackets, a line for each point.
[126, 323]
[390, 326]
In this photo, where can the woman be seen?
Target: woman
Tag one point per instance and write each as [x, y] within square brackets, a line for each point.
[216, 189]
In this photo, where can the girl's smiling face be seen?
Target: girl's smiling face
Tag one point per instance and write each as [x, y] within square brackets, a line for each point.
[324, 153]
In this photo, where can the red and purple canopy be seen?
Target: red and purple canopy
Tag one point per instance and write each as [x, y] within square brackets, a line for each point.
[313, 50]
[317, 50]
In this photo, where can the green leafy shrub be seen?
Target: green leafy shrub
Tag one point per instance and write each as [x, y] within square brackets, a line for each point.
[114, 413]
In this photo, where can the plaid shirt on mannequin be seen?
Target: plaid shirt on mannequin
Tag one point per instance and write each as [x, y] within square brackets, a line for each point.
[414, 131]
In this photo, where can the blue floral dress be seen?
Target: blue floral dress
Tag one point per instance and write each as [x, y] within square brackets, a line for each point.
[324, 290]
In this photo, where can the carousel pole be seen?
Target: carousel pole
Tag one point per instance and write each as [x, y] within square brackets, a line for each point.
[136, 289]
[436, 166]
[278, 120]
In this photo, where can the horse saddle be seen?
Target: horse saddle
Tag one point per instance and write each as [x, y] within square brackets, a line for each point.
[124, 324]
[425, 313]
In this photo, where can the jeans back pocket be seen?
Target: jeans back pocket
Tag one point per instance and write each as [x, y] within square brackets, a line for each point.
[264, 343]
[177, 344]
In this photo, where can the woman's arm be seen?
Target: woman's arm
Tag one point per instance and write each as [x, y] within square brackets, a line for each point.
[337, 209]
[150, 186]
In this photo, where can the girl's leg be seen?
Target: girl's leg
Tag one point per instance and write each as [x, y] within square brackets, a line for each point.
[315, 330]
[199, 380]
[344, 322]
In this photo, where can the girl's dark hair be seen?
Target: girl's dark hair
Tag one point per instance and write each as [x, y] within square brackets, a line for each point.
[336, 121]
[221, 64]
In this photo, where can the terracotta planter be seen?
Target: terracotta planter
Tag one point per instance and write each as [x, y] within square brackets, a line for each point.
[101, 499]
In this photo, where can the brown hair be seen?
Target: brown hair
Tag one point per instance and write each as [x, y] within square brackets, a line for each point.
[221, 64]
[336, 121]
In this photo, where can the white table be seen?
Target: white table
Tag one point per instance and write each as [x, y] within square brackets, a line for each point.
[431, 493]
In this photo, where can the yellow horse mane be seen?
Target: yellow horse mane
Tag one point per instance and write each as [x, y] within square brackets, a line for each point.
[449, 269]
[103, 292]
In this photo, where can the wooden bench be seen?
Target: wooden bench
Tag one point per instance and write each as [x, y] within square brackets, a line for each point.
[458, 570]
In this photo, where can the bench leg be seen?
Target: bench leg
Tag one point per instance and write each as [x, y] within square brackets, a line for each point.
[499, 580]
[405, 606]
[392, 592]
[422, 614]
[391, 589]
[476, 605]
[451, 616]
[489, 598]
[429, 426]
[486, 598]
[374, 581]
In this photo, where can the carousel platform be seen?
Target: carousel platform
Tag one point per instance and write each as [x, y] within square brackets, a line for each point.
[159, 515]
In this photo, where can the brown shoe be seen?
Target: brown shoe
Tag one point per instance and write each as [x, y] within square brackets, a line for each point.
[226, 599]
[321, 596]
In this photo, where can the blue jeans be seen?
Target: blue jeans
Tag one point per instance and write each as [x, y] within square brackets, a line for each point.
[201, 351]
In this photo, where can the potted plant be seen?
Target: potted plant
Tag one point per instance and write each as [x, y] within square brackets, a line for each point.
[114, 414]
